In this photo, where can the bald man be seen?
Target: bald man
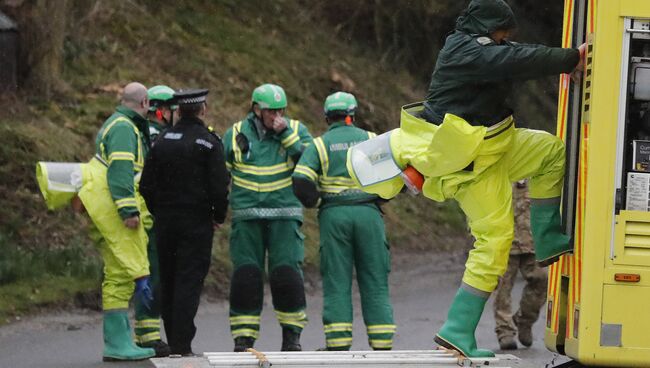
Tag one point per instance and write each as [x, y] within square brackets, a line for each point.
[110, 196]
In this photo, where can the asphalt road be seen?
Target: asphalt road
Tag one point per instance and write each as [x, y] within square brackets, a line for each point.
[423, 285]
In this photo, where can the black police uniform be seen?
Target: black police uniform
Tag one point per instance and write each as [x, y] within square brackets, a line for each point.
[185, 184]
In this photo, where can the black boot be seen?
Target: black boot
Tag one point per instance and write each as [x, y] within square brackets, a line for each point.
[242, 343]
[159, 346]
[290, 340]
[507, 343]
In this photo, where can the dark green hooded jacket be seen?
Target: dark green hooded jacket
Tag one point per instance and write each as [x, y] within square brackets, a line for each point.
[474, 75]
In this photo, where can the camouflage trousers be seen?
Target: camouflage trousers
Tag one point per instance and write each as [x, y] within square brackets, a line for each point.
[532, 298]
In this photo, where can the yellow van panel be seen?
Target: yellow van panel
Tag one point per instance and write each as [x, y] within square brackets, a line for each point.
[628, 306]
[622, 337]
[632, 238]
[592, 317]
[635, 8]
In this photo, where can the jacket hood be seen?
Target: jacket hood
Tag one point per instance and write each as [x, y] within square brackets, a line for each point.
[483, 17]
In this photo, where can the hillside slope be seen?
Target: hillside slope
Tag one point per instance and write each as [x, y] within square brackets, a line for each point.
[226, 46]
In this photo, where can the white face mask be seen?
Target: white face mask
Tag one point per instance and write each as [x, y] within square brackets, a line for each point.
[372, 160]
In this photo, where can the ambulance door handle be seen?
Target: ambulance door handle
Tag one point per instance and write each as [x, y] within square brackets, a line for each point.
[632, 30]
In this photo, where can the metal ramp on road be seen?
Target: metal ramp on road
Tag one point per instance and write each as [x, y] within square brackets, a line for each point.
[384, 359]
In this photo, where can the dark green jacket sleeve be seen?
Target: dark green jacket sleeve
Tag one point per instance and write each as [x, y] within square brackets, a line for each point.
[515, 61]
[305, 177]
[121, 147]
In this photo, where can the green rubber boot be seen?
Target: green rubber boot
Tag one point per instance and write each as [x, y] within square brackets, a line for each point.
[546, 228]
[458, 331]
[118, 344]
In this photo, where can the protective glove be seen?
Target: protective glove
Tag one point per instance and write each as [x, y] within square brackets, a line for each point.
[143, 291]
[242, 142]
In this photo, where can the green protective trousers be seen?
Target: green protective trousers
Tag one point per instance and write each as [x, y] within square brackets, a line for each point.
[147, 320]
[352, 236]
[250, 241]
[123, 250]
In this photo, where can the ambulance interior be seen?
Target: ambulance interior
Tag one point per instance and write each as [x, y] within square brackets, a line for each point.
[636, 165]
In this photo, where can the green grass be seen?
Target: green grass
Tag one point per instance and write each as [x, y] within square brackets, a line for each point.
[30, 295]
[18, 263]
[35, 278]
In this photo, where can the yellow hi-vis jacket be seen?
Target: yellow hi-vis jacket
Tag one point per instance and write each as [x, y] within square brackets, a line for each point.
[441, 152]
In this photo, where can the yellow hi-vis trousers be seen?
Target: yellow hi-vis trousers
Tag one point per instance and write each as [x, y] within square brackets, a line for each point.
[124, 250]
[482, 181]
[487, 200]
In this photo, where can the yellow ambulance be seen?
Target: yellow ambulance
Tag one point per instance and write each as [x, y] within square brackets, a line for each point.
[598, 305]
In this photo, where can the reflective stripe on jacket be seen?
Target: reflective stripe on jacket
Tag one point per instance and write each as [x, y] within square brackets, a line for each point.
[261, 175]
[122, 144]
[324, 163]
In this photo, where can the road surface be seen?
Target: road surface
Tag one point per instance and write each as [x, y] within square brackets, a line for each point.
[423, 285]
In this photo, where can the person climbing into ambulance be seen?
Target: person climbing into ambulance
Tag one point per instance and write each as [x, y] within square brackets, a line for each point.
[464, 143]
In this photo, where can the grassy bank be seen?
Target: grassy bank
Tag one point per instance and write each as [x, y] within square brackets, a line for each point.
[226, 46]
[32, 279]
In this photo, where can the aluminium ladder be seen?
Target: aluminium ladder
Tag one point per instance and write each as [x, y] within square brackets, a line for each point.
[320, 359]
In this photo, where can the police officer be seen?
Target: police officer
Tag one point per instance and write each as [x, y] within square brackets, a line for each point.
[351, 231]
[185, 184]
[261, 152]
[522, 259]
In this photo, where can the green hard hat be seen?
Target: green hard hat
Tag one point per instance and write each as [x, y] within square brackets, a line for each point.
[159, 96]
[342, 102]
[270, 96]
